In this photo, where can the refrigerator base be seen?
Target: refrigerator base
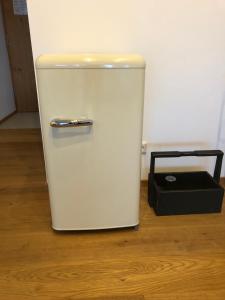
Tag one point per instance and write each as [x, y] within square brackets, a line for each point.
[135, 226]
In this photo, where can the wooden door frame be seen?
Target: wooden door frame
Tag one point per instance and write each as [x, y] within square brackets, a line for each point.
[20, 69]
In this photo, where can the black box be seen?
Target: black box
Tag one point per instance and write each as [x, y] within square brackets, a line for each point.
[185, 193]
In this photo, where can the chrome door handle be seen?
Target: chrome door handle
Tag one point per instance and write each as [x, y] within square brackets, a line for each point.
[60, 123]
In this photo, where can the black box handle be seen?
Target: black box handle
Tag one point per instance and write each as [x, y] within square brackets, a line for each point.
[163, 154]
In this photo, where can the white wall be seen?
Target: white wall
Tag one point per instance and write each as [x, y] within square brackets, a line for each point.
[221, 133]
[183, 42]
[7, 103]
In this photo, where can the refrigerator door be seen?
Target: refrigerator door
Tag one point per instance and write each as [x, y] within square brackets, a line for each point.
[93, 169]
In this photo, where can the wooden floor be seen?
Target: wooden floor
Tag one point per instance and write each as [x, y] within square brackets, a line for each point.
[168, 258]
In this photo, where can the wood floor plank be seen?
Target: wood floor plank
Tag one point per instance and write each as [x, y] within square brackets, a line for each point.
[176, 257]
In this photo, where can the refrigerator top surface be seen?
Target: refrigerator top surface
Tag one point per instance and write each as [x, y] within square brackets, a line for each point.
[90, 61]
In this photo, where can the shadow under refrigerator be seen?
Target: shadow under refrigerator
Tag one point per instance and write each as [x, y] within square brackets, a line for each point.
[91, 110]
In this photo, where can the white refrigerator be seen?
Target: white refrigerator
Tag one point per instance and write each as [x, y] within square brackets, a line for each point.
[91, 111]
